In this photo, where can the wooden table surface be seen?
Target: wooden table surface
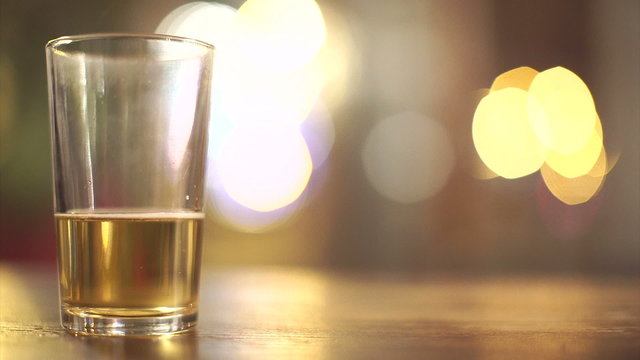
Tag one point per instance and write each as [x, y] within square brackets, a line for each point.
[276, 313]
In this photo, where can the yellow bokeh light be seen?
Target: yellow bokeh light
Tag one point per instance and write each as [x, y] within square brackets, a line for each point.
[545, 121]
[478, 169]
[279, 35]
[264, 167]
[569, 117]
[573, 191]
[602, 166]
[580, 162]
[519, 78]
[612, 160]
[481, 171]
[503, 136]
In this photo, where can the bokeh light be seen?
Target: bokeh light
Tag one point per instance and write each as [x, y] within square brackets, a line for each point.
[271, 69]
[569, 117]
[503, 136]
[264, 167]
[210, 22]
[240, 217]
[576, 190]
[319, 133]
[246, 94]
[338, 59]
[547, 121]
[580, 162]
[519, 78]
[279, 34]
[408, 157]
[481, 171]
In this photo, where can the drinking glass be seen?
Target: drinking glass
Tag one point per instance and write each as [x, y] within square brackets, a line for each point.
[129, 116]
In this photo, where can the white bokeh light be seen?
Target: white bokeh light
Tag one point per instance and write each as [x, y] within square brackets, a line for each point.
[408, 157]
[263, 167]
[210, 22]
[279, 35]
[319, 133]
[269, 128]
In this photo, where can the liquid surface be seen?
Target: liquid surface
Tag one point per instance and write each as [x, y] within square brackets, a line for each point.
[129, 264]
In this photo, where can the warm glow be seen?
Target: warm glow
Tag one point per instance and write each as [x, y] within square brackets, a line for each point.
[246, 94]
[481, 171]
[612, 160]
[408, 157]
[338, 59]
[503, 135]
[569, 117]
[530, 119]
[577, 190]
[210, 22]
[519, 78]
[267, 84]
[264, 167]
[240, 217]
[581, 162]
[319, 133]
[279, 35]
[19, 296]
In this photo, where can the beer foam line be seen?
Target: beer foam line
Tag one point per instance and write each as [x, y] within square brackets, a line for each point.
[131, 215]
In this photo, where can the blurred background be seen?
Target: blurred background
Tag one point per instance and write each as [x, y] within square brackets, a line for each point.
[356, 118]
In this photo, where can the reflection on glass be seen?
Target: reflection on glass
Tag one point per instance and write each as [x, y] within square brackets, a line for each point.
[165, 347]
[181, 113]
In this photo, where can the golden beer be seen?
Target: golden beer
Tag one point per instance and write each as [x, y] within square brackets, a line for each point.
[128, 265]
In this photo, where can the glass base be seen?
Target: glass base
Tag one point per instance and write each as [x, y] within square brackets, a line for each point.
[78, 321]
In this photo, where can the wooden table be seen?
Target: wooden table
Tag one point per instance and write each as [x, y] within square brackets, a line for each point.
[275, 313]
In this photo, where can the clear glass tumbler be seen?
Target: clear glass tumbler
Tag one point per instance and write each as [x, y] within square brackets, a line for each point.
[129, 117]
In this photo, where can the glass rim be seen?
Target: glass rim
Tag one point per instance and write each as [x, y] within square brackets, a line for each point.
[69, 39]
